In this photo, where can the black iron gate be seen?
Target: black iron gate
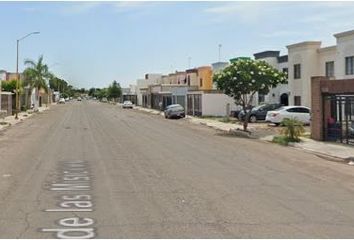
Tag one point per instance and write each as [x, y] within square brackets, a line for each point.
[338, 118]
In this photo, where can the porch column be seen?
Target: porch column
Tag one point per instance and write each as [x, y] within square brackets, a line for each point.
[317, 106]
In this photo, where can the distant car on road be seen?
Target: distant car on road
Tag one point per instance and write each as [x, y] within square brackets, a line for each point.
[61, 101]
[79, 99]
[259, 112]
[127, 104]
[174, 111]
[299, 113]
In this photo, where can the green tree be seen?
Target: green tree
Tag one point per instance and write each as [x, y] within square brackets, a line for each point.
[36, 75]
[114, 91]
[102, 93]
[70, 91]
[91, 92]
[58, 84]
[9, 86]
[243, 78]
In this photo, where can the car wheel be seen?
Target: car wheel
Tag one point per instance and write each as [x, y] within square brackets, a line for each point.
[253, 119]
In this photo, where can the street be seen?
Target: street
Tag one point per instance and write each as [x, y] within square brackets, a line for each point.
[89, 169]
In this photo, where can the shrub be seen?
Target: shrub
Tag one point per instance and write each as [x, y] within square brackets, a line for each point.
[293, 129]
[225, 120]
[282, 140]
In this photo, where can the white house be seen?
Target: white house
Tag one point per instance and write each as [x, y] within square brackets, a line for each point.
[210, 103]
[280, 94]
[150, 78]
[305, 60]
[308, 59]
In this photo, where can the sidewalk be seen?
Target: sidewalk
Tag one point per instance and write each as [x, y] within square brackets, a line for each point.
[227, 127]
[149, 110]
[11, 121]
[336, 150]
[341, 152]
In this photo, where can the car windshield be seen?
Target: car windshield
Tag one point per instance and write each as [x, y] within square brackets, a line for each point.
[281, 108]
[173, 106]
[177, 108]
[259, 107]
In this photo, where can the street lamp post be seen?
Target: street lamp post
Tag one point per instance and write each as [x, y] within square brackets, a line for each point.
[17, 75]
[219, 52]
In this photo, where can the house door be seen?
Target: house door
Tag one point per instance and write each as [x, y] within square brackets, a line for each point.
[284, 99]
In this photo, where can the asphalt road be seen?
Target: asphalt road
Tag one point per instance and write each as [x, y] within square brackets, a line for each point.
[88, 169]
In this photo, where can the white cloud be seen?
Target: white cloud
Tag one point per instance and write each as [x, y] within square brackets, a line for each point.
[80, 7]
[245, 11]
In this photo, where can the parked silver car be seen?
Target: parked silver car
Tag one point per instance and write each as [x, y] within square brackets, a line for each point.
[174, 111]
[127, 104]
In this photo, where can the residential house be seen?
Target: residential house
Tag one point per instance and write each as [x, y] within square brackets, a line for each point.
[206, 100]
[2, 75]
[142, 85]
[308, 59]
[181, 78]
[9, 76]
[279, 94]
[192, 77]
[6, 103]
[205, 78]
[217, 67]
[129, 94]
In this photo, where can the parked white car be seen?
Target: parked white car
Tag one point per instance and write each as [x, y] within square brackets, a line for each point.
[127, 104]
[61, 101]
[299, 113]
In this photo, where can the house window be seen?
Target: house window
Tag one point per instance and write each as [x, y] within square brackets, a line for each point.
[330, 69]
[189, 80]
[285, 70]
[201, 82]
[349, 65]
[297, 71]
[297, 100]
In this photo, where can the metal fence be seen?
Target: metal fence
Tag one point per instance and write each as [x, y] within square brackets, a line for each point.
[338, 116]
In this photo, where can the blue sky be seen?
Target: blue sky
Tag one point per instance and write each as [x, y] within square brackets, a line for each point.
[94, 43]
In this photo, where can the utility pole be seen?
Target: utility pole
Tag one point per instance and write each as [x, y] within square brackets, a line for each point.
[189, 62]
[219, 52]
[18, 76]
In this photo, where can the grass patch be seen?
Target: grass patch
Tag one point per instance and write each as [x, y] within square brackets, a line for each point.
[283, 140]
[227, 120]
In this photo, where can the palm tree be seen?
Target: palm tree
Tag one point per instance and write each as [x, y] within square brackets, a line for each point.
[36, 76]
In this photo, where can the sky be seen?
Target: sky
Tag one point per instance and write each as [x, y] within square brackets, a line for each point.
[90, 44]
